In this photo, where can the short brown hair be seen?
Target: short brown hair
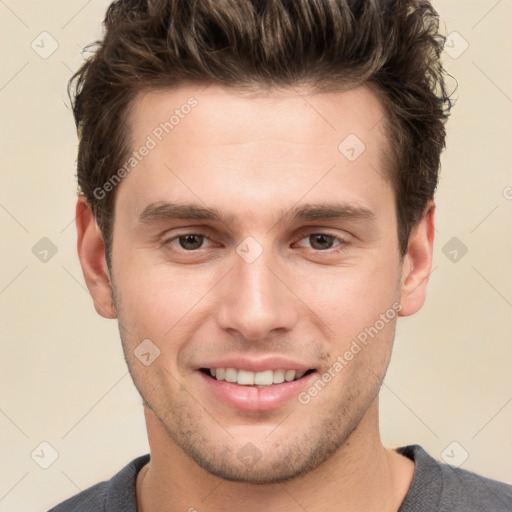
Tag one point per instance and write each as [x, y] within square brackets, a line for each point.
[393, 46]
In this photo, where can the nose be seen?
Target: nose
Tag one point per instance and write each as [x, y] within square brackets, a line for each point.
[256, 302]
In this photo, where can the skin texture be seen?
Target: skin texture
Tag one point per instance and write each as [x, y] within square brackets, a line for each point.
[255, 158]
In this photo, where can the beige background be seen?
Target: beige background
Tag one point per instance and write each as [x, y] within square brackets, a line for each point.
[63, 377]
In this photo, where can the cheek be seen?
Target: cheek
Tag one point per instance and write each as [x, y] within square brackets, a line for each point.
[157, 300]
[351, 298]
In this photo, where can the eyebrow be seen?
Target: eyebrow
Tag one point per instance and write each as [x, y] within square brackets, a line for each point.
[163, 210]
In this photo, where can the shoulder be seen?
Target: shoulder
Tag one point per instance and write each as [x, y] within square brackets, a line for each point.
[92, 498]
[471, 491]
[116, 494]
[443, 488]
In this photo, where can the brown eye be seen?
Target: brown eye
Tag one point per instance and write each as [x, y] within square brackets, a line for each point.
[321, 241]
[188, 242]
[191, 241]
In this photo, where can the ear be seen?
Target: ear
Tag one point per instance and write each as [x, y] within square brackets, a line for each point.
[417, 263]
[91, 252]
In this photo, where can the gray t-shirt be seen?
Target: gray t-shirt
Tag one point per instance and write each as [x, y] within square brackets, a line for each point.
[435, 487]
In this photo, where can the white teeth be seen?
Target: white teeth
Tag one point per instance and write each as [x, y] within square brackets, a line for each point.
[231, 375]
[245, 378]
[289, 375]
[259, 379]
[278, 377]
[263, 378]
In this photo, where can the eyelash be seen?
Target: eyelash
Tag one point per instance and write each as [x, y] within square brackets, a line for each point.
[342, 243]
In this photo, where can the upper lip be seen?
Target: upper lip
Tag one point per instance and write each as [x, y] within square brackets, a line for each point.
[257, 365]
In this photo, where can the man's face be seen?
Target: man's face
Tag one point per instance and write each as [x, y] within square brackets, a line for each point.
[264, 287]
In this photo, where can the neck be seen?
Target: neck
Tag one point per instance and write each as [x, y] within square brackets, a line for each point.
[362, 475]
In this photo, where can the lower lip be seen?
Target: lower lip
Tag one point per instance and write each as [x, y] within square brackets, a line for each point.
[248, 398]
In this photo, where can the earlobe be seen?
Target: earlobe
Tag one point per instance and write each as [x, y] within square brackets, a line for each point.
[417, 263]
[91, 252]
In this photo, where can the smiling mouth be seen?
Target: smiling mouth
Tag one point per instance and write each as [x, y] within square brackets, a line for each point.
[262, 379]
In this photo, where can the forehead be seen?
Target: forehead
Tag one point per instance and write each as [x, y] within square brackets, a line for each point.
[220, 146]
[221, 115]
